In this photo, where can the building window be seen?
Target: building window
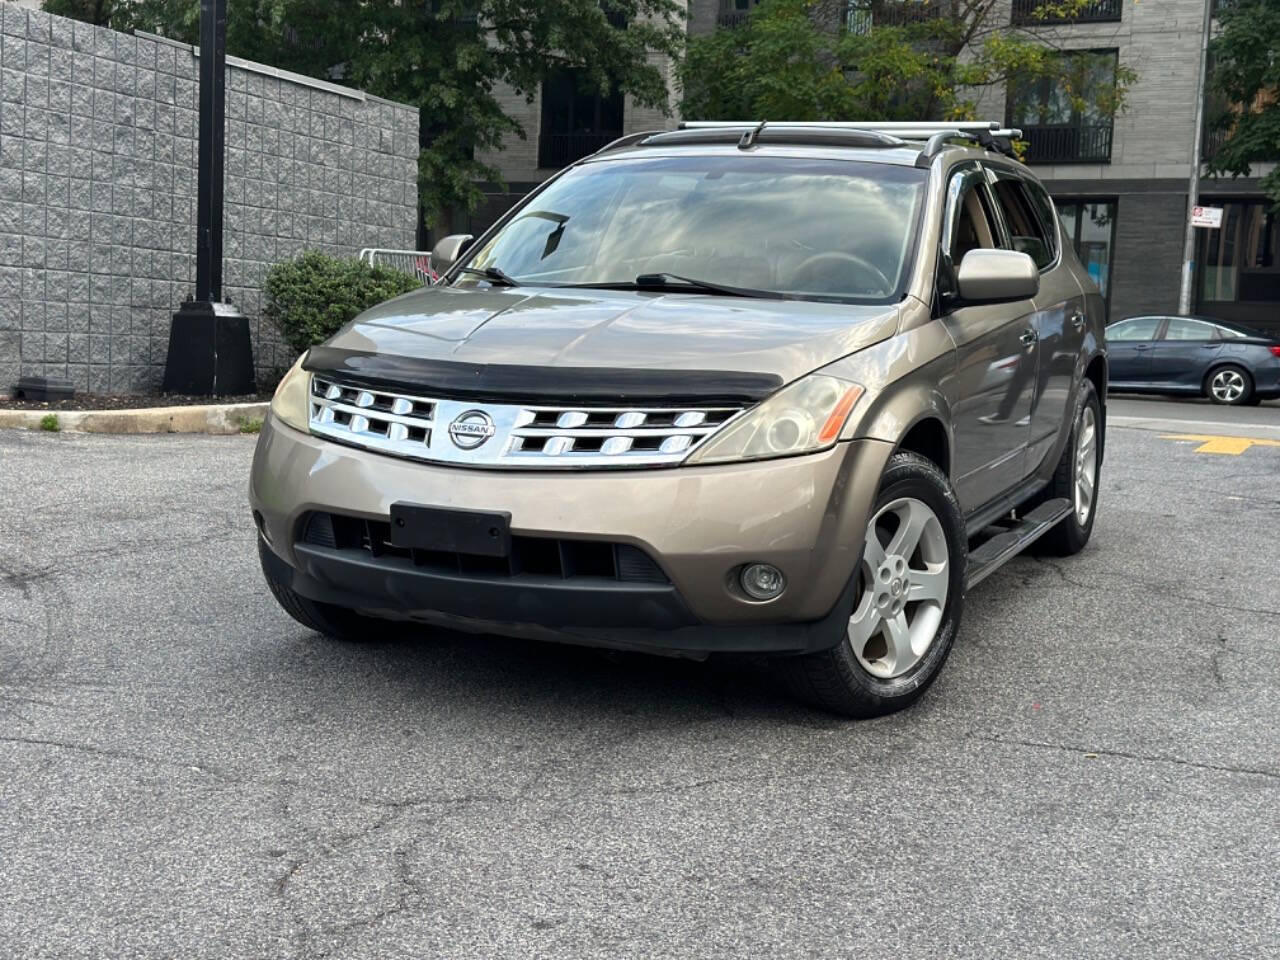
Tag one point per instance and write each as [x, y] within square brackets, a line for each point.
[1059, 117]
[1091, 227]
[733, 13]
[1240, 261]
[1033, 12]
[575, 120]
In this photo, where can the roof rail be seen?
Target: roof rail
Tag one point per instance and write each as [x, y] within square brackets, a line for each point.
[626, 140]
[907, 129]
[747, 135]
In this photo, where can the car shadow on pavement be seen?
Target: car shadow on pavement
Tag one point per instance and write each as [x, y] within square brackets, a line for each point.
[440, 668]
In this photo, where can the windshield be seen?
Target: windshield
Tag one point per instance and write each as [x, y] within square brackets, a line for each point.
[811, 229]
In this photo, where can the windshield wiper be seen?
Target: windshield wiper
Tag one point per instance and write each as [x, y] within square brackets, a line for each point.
[493, 275]
[672, 281]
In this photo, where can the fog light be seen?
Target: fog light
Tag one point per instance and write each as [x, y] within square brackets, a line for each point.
[762, 581]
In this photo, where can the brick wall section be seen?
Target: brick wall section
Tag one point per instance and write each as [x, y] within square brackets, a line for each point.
[98, 194]
[1148, 253]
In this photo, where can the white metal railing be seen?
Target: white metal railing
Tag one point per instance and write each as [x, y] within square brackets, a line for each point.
[415, 263]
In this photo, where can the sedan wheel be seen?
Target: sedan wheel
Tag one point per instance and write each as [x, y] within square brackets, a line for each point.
[1230, 385]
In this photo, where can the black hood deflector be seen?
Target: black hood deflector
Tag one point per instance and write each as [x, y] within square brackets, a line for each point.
[598, 386]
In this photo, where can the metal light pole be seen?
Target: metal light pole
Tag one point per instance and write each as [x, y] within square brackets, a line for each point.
[209, 347]
[1193, 187]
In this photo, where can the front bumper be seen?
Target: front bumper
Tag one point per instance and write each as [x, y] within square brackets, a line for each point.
[806, 515]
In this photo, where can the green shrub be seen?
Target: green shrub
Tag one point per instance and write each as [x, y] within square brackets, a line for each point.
[50, 423]
[311, 296]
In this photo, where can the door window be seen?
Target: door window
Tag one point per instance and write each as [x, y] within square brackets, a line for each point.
[1180, 328]
[1140, 328]
[1027, 233]
[969, 220]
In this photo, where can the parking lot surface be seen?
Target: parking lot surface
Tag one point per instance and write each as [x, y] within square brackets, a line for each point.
[184, 771]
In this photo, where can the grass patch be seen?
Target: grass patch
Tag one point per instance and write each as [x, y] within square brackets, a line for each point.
[249, 424]
[49, 422]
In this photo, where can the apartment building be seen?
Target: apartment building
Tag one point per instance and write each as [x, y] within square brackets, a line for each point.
[1120, 184]
[563, 123]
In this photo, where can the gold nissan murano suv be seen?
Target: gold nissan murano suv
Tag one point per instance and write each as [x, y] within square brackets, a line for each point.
[767, 388]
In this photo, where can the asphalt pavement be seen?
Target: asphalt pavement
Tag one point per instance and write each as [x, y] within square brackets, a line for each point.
[186, 772]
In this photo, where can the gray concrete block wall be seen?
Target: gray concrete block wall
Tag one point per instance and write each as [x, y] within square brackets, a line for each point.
[98, 194]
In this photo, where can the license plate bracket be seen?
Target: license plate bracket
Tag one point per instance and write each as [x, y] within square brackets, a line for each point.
[480, 532]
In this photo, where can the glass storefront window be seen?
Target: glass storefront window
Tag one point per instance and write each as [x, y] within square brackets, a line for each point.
[1240, 261]
[1091, 227]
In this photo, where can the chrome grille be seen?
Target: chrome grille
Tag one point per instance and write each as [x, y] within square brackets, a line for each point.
[514, 435]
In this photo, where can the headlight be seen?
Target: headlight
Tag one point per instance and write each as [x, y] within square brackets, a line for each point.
[292, 398]
[802, 418]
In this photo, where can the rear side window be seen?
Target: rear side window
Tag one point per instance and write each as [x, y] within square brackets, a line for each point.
[1027, 233]
[1183, 329]
[1140, 328]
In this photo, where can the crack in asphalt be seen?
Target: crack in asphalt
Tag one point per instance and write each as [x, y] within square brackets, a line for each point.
[1127, 755]
[114, 754]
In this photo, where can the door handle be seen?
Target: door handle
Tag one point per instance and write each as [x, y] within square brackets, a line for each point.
[1028, 337]
[1077, 319]
[1142, 346]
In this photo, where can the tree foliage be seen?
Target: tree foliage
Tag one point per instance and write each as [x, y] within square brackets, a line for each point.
[882, 60]
[1246, 74]
[450, 58]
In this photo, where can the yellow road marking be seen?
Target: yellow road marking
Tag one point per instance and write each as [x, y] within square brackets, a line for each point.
[1233, 446]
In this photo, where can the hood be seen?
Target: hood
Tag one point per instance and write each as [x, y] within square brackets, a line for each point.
[600, 331]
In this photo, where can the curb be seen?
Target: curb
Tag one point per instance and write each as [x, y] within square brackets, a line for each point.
[212, 419]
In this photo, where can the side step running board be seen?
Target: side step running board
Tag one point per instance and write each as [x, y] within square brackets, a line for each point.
[1003, 547]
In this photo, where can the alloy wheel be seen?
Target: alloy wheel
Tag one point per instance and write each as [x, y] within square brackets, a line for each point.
[1227, 386]
[906, 572]
[1086, 463]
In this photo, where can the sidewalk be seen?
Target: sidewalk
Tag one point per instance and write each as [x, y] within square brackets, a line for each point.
[209, 418]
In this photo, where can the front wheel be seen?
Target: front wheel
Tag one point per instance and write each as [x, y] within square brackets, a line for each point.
[324, 618]
[907, 603]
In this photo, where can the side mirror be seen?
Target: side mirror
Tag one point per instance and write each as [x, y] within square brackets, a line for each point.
[447, 251]
[997, 276]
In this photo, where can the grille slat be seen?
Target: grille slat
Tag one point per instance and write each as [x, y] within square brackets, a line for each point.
[518, 435]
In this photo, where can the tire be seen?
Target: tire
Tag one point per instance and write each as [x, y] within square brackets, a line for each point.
[332, 621]
[1229, 385]
[868, 683]
[1072, 533]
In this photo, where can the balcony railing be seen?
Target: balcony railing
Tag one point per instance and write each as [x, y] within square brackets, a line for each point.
[1067, 143]
[1030, 12]
[1212, 141]
[732, 18]
[561, 149]
[862, 15]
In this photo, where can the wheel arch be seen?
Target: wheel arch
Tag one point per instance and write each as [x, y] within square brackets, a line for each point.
[928, 436]
[1095, 372]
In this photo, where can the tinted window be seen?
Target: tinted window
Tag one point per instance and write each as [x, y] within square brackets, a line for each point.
[1227, 333]
[1044, 206]
[1026, 232]
[801, 227]
[1141, 328]
[1181, 328]
[971, 217]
